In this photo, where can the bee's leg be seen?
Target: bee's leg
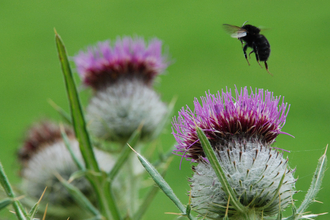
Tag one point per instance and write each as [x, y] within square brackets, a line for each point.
[241, 41]
[255, 49]
[244, 50]
[250, 54]
[266, 66]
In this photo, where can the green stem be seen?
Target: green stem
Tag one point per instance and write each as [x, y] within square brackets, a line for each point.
[134, 181]
[20, 213]
[109, 198]
[252, 215]
[100, 195]
[162, 184]
[133, 140]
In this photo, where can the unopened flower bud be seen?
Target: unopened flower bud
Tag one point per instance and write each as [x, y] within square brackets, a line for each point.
[44, 156]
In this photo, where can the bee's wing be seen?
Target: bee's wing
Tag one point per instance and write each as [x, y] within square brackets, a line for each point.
[263, 29]
[234, 31]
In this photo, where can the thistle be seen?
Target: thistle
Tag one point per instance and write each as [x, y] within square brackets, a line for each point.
[240, 129]
[122, 77]
[44, 158]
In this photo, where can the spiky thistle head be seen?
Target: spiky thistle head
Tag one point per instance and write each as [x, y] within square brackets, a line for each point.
[260, 177]
[39, 135]
[240, 129]
[223, 117]
[122, 77]
[44, 157]
[129, 58]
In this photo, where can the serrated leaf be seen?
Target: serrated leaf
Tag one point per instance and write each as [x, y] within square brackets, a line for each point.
[312, 192]
[316, 183]
[294, 212]
[308, 216]
[78, 120]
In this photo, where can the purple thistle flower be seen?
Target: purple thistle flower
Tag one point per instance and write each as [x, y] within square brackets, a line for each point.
[122, 76]
[104, 64]
[259, 117]
[240, 129]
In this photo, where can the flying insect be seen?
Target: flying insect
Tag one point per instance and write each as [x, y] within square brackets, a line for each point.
[253, 39]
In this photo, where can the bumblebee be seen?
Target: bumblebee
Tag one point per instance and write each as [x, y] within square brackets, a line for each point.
[253, 39]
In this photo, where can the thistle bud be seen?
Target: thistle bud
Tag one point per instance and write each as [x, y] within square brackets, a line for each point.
[44, 156]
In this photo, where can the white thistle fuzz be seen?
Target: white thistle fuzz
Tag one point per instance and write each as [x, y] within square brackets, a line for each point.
[254, 172]
[115, 112]
[54, 159]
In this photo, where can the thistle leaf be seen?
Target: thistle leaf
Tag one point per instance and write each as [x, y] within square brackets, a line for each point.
[20, 212]
[34, 209]
[315, 185]
[162, 184]
[62, 113]
[76, 175]
[312, 191]
[6, 202]
[124, 154]
[78, 120]
[79, 197]
[68, 146]
[210, 154]
[148, 199]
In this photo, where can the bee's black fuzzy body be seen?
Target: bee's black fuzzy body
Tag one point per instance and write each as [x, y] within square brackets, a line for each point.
[250, 35]
[258, 42]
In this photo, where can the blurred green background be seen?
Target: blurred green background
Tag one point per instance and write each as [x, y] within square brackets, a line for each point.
[206, 58]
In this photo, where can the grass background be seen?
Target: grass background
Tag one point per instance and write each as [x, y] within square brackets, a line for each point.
[206, 58]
